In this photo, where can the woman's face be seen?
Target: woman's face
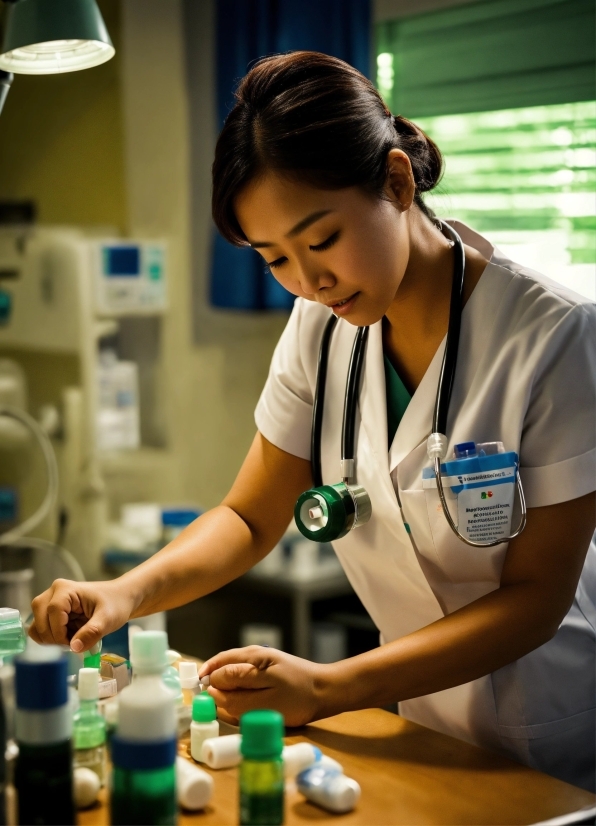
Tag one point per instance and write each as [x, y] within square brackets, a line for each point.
[343, 248]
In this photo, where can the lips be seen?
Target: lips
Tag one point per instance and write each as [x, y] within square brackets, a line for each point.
[344, 306]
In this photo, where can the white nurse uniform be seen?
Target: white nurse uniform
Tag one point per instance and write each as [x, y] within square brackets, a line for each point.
[526, 376]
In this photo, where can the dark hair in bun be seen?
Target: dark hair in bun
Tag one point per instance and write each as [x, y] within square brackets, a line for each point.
[315, 117]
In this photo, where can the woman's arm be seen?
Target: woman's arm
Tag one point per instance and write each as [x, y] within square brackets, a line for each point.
[218, 547]
[538, 583]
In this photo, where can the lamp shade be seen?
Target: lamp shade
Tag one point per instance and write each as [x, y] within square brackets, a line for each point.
[45, 37]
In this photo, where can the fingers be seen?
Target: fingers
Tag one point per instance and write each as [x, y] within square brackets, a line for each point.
[239, 676]
[257, 655]
[231, 705]
[92, 631]
[51, 611]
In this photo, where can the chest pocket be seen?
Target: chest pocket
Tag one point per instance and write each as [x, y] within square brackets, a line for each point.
[434, 539]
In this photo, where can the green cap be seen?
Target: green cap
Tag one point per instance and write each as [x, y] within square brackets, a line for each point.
[203, 708]
[262, 734]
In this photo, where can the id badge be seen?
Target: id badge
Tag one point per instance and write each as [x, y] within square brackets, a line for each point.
[485, 491]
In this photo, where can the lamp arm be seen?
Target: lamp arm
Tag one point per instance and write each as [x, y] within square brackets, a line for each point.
[5, 81]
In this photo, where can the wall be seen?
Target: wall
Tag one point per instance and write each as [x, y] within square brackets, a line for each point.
[211, 387]
[61, 141]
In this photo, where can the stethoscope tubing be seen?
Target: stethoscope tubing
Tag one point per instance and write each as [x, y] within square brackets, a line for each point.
[441, 409]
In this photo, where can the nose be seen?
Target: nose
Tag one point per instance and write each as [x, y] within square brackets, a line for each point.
[313, 279]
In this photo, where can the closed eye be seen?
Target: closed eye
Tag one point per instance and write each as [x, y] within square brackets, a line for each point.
[277, 263]
[326, 244]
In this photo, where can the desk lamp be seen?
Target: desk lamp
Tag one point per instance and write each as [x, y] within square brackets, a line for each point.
[47, 37]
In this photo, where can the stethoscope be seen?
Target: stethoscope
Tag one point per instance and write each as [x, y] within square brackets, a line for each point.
[327, 512]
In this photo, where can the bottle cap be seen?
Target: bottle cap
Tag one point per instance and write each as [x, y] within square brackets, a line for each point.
[464, 450]
[9, 615]
[262, 734]
[88, 684]
[203, 708]
[173, 656]
[189, 674]
[148, 652]
[40, 679]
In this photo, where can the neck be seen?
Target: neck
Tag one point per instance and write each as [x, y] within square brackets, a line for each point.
[426, 286]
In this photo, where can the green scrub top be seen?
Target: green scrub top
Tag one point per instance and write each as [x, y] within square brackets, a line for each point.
[398, 398]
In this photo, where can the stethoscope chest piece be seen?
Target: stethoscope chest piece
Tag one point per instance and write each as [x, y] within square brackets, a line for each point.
[329, 512]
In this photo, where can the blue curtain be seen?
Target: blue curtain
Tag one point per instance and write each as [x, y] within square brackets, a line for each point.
[246, 31]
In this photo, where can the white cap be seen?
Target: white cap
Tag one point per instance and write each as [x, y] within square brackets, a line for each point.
[148, 652]
[108, 688]
[222, 752]
[88, 683]
[189, 674]
[9, 615]
[194, 786]
[298, 757]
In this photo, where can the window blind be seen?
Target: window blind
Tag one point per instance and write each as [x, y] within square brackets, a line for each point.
[495, 54]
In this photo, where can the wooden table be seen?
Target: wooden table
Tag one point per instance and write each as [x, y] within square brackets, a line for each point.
[408, 774]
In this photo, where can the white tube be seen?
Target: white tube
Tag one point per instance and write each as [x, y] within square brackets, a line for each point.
[194, 786]
[222, 752]
[329, 789]
[52, 471]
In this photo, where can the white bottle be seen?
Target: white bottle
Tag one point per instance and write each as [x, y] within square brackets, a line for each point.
[204, 724]
[194, 786]
[146, 729]
[189, 681]
[222, 752]
[329, 789]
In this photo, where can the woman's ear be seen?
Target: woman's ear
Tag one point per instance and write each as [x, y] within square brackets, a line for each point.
[400, 186]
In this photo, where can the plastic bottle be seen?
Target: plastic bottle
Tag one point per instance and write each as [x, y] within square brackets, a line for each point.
[204, 724]
[328, 788]
[194, 786]
[189, 681]
[43, 728]
[261, 771]
[90, 726]
[12, 635]
[144, 746]
[222, 752]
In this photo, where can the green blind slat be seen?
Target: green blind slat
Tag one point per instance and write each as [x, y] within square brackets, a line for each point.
[496, 54]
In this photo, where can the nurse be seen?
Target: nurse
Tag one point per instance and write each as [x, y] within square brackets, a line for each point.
[496, 645]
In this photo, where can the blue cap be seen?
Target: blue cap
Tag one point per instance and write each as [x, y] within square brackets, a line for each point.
[41, 685]
[179, 517]
[464, 449]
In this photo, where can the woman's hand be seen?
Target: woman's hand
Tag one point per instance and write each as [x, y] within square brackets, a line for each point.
[79, 614]
[259, 677]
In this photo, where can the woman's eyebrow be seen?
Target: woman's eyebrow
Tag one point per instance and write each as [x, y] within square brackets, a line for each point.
[297, 229]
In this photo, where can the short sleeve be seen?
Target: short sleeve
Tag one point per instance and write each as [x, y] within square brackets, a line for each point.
[284, 411]
[558, 443]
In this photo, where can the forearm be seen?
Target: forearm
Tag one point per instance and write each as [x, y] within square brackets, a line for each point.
[476, 640]
[215, 549]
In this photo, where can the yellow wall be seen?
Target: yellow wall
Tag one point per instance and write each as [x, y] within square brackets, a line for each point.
[110, 146]
[61, 141]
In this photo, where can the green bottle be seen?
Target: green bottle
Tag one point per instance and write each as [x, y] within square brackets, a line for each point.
[261, 770]
[89, 726]
[12, 635]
